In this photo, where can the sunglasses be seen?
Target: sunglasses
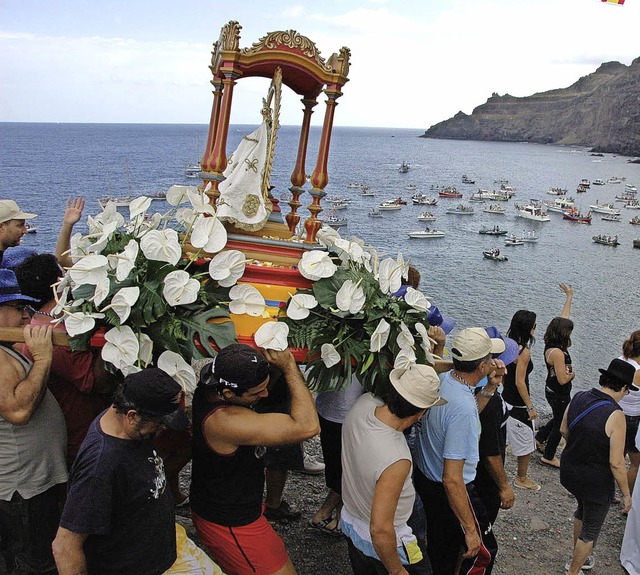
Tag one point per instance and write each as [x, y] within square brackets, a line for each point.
[17, 306]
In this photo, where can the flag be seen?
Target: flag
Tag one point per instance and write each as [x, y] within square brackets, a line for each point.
[621, 2]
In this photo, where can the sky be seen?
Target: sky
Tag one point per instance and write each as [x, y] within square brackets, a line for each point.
[413, 62]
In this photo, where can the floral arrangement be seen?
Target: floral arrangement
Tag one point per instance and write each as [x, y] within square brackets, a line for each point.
[158, 306]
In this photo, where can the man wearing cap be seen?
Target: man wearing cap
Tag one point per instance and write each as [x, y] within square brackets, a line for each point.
[32, 441]
[13, 225]
[229, 441]
[119, 517]
[377, 490]
[447, 453]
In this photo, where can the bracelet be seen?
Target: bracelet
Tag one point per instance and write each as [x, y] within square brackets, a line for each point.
[530, 409]
[484, 393]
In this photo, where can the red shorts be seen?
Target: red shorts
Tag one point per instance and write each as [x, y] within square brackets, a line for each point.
[254, 549]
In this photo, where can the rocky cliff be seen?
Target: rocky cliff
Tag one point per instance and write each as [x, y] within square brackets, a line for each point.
[601, 110]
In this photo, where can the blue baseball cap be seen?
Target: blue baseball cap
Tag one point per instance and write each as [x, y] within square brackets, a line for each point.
[512, 349]
[435, 318]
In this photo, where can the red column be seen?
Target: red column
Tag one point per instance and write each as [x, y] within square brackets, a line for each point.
[320, 178]
[213, 124]
[299, 175]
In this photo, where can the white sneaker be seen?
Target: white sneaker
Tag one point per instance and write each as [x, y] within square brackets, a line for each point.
[588, 564]
[310, 466]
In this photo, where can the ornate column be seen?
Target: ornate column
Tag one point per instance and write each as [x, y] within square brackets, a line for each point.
[213, 124]
[299, 174]
[320, 178]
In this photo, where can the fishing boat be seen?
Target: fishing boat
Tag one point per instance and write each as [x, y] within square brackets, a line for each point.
[479, 196]
[604, 208]
[599, 182]
[560, 204]
[367, 191]
[632, 205]
[557, 192]
[529, 236]
[334, 221]
[508, 189]
[461, 210]
[425, 234]
[513, 240]
[614, 180]
[532, 211]
[450, 192]
[388, 206]
[420, 199]
[340, 205]
[581, 189]
[612, 217]
[577, 216]
[499, 210]
[635, 221]
[404, 168]
[411, 187]
[426, 217]
[466, 180]
[494, 231]
[497, 195]
[606, 240]
[585, 183]
[626, 197]
[495, 255]
[375, 214]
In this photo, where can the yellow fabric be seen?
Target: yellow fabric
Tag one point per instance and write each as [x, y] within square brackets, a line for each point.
[414, 554]
[191, 559]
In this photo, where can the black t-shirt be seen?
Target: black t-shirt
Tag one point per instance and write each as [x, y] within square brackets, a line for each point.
[119, 497]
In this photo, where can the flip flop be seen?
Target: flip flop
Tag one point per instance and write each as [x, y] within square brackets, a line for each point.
[322, 526]
[548, 464]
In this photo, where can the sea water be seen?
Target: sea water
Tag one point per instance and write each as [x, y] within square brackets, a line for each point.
[42, 165]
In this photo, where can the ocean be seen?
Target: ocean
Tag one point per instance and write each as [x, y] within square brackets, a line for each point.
[42, 165]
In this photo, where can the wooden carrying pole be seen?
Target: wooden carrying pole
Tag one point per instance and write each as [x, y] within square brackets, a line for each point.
[16, 335]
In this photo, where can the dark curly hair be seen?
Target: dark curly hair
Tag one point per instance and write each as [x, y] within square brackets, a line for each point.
[558, 333]
[36, 274]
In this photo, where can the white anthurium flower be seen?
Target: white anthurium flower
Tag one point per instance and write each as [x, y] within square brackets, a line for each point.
[209, 234]
[122, 301]
[147, 224]
[421, 330]
[227, 267]
[101, 291]
[403, 265]
[60, 297]
[89, 270]
[77, 323]
[246, 299]
[299, 306]
[405, 338]
[126, 260]
[175, 366]
[178, 194]
[129, 369]
[103, 237]
[329, 354]
[350, 297]
[79, 246]
[186, 216]
[416, 299]
[121, 347]
[405, 358]
[272, 335]
[200, 202]
[139, 206]
[316, 264]
[146, 349]
[380, 336]
[94, 225]
[180, 288]
[349, 250]
[327, 237]
[426, 343]
[389, 276]
[162, 246]
[110, 213]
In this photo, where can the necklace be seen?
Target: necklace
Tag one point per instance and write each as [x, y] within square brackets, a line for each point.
[462, 380]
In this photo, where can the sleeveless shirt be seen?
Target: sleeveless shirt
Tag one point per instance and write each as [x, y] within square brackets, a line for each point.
[510, 392]
[552, 383]
[225, 489]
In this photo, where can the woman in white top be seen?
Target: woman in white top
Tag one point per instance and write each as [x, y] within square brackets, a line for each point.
[631, 406]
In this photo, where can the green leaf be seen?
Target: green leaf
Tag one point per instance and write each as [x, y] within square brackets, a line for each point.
[367, 363]
[222, 334]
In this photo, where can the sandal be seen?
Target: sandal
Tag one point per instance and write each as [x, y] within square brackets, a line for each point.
[323, 527]
[555, 462]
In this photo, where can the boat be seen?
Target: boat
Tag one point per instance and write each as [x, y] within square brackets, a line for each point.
[340, 205]
[400, 201]
[497, 195]
[495, 255]
[427, 233]
[461, 210]
[388, 206]
[635, 221]
[604, 208]
[614, 180]
[510, 191]
[581, 189]
[192, 170]
[355, 185]
[630, 188]
[31, 229]
[477, 197]
[466, 180]
[375, 214]
[411, 187]
[494, 231]
[606, 240]
[426, 217]
[122, 202]
[512, 240]
[599, 182]
[585, 183]
[404, 168]
[338, 200]
[577, 216]
[532, 211]
[424, 200]
[557, 192]
[491, 209]
[366, 191]
[450, 192]
[636, 243]
[612, 218]
[560, 204]
[529, 236]
[501, 182]
[334, 222]
[626, 197]
[632, 205]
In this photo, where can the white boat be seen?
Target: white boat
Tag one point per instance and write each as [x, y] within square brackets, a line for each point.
[354, 185]
[192, 170]
[512, 240]
[388, 206]
[560, 205]
[375, 214]
[612, 218]
[606, 240]
[499, 210]
[585, 183]
[467, 180]
[529, 236]
[404, 168]
[557, 192]
[495, 255]
[338, 200]
[497, 195]
[411, 187]
[477, 197]
[122, 202]
[334, 222]
[31, 229]
[426, 217]
[599, 182]
[532, 212]
[604, 208]
[614, 180]
[461, 210]
[630, 188]
[419, 199]
[510, 191]
[426, 234]
[367, 191]
[632, 205]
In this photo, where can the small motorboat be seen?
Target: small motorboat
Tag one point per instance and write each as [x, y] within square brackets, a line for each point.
[532, 211]
[512, 240]
[529, 237]
[632, 205]
[366, 191]
[557, 192]
[334, 222]
[560, 205]
[585, 183]
[494, 231]
[614, 180]
[612, 217]
[428, 233]
[467, 180]
[411, 187]
[604, 208]
[450, 192]
[404, 168]
[461, 210]
[495, 255]
[388, 206]
[577, 216]
[635, 221]
[375, 214]
[606, 240]
[492, 209]
[31, 229]
[426, 217]
[599, 182]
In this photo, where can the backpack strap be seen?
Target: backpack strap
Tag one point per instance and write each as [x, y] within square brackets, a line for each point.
[587, 411]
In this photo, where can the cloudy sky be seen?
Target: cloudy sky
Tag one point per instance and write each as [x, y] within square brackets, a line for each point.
[413, 62]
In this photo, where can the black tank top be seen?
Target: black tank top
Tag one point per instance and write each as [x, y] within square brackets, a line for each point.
[552, 382]
[510, 392]
[225, 489]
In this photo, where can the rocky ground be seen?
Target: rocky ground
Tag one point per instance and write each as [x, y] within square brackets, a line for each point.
[534, 537]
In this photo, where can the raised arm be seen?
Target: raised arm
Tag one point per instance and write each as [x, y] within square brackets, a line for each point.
[568, 290]
[20, 395]
[72, 216]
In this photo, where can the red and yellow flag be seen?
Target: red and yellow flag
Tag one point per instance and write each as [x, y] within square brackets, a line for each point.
[621, 2]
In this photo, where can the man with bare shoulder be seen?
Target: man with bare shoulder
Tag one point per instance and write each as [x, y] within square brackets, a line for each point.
[32, 442]
[229, 441]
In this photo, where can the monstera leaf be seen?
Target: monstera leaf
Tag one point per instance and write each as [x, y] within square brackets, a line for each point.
[222, 333]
